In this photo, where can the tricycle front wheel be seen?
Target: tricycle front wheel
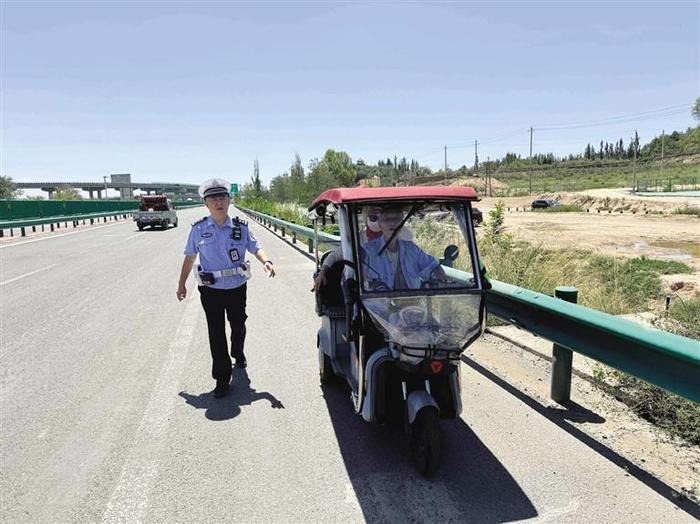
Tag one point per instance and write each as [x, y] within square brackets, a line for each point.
[425, 441]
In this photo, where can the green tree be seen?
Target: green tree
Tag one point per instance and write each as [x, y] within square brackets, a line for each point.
[319, 178]
[255, 180]
[8, 190]
[67, 193]
[297, 181]
[340, 167]
[696, 109]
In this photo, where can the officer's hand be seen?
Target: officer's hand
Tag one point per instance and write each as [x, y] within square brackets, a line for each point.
[269, 268]
[181, 293]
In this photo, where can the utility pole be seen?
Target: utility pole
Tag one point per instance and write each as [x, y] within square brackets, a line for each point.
[488, 177]
[445, 165]
[476, 158]
[104, 178]
[634, 165]
[663, 137]
[530, 190]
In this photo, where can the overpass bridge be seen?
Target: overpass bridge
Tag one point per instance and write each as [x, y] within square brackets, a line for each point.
[125, 188]
[107, 416]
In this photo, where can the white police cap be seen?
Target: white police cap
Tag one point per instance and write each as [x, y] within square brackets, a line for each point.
[214, 186]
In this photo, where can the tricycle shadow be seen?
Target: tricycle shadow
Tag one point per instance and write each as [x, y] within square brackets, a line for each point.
[240, 394]
[470, 484]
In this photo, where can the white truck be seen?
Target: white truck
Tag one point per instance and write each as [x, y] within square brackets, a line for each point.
[155, 210]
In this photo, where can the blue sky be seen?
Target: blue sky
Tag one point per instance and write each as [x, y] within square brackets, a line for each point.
[180, 91]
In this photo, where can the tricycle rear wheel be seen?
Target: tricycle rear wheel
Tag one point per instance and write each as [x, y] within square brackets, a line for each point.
[325, 368]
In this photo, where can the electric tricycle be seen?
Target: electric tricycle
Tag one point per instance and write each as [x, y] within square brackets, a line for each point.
[400, 297]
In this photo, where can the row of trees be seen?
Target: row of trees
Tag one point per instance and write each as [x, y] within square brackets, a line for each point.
[334, 169]
[615, 150]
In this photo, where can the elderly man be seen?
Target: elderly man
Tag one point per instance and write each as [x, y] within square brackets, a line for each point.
[400, 264]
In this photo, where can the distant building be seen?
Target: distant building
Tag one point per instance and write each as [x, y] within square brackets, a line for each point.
[125, 193]
[374, 181]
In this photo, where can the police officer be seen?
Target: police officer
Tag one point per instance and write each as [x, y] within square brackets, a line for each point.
[221, 243]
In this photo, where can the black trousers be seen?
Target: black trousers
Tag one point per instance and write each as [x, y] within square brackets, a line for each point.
[216, 302]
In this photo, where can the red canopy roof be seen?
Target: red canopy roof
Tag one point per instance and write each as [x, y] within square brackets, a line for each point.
[342, 195]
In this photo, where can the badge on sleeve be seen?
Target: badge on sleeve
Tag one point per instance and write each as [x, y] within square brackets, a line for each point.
[233, 253]
[236, 233]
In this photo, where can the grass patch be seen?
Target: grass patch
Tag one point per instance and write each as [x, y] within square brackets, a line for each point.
[662, 267]
[685, 317]
[678, 416]
[563, 208]
[288, 212]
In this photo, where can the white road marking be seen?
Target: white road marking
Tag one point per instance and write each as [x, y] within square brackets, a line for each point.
[61, 235]
[26, 275]
[132, 236]
[130, 496]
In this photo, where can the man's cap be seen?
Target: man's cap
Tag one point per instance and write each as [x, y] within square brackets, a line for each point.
[213, 187]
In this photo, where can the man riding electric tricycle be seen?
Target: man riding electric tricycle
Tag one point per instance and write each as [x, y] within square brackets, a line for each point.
[400, 298]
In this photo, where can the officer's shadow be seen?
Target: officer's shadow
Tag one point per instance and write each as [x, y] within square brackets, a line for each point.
[240, 394]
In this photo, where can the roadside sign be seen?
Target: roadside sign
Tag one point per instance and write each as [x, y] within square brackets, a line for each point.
[234, 189]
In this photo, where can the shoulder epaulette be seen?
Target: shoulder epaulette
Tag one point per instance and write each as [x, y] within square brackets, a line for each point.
[239, 221]
[199, 221]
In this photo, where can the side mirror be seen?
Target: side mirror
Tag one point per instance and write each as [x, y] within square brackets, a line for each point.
[449, 255]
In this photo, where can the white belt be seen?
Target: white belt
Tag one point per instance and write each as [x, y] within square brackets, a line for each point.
[229, 272]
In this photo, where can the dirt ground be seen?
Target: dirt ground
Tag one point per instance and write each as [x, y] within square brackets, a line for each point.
[659, 236]
[613, 198]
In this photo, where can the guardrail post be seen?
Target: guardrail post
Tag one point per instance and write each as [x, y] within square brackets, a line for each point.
[294, 237]
[283, 231]
[562, 358]
[311, 245]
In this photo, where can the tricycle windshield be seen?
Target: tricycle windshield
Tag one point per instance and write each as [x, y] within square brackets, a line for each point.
[416, 272]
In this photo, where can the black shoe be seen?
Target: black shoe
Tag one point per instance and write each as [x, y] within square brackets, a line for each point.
[221, 388]
[241, 362]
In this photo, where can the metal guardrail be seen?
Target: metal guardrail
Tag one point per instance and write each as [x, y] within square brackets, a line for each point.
[658, 357]
[55, 222]
[22, 224]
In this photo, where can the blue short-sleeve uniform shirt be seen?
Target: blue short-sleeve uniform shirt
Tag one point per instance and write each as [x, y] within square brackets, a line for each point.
[221, 247]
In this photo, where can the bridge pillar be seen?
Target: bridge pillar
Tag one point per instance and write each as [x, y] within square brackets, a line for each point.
[562, 358]
[90, 193]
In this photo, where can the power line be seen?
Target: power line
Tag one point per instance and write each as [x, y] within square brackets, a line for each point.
[672, 110]
[619, 119]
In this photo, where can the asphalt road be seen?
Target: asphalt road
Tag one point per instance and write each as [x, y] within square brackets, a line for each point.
[106, 414]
